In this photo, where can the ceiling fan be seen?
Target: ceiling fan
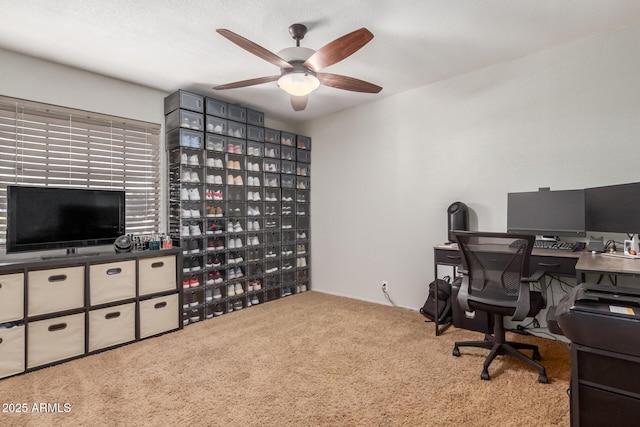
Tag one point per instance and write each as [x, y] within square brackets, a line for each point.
[300, 66]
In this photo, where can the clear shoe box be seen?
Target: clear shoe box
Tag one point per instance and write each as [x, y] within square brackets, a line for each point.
[288, 181]
[272, 238]
[288, 223]
[271, 209]
[304, 142]
[216, 143]
[272, 151]
[289, 237]
[215, 107]
[183, 99]
[272, 136]
[236, 209]
[288, 153]
[271, 223]
[237, 113]
[255, 149]
[273, 281]
[302, 222]
[303, 156]
[184, 119]
[236, 146]
[255, 269]
[272, 252]
[288, 168]
[255, 118]
[303, 169]
[303, 183]
[216, 125]
[185, 138]
[287, 139]
[271, 180]
[237, 130]
[255, 133]
[272, 165]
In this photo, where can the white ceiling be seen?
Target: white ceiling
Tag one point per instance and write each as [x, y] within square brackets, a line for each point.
[172, 45]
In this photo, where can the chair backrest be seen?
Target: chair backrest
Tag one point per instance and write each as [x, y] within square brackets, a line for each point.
[495, 263]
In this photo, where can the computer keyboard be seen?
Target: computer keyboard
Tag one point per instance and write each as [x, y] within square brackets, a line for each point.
[558, 246]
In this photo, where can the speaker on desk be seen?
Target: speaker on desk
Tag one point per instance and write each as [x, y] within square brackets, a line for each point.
[458, 218]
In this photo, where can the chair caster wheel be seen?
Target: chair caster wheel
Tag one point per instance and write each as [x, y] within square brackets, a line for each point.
[536, 355]
[542, 379]
[456, 352]
[485, 375]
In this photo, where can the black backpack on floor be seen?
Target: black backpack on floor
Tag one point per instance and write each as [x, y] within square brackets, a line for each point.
[428, 310]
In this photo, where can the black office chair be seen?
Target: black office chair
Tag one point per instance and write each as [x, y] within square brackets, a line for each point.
[496, 280]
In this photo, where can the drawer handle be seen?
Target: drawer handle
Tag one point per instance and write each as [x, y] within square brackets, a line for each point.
[453, 256]
[58, 278]
[113, 315]
[160, 305]
[58, 327]
[158, 264]
[112, 271]
[546, 264]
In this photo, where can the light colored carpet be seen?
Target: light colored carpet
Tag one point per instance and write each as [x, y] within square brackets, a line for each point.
[306, 360]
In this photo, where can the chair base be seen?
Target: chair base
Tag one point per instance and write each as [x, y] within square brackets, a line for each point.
[498, 346]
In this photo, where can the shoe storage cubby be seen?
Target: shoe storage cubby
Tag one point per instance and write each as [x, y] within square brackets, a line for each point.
[78, 305]
[234, 206]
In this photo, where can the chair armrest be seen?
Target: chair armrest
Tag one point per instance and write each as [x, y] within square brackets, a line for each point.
[535, 277]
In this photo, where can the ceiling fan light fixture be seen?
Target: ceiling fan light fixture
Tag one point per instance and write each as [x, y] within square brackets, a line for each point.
[298, 83]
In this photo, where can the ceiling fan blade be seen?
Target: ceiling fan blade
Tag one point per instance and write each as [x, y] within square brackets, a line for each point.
[347, 83]
[338, 49]
[299, 103]
[254, 48]
[250, 82]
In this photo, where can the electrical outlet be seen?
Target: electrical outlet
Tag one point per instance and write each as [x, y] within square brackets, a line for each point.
[385, 286]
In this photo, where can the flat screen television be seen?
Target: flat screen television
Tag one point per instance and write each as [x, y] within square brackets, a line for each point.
[613, 208]
[42, 218]
[547, 213]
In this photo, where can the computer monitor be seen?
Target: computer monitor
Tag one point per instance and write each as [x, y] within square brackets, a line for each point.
[613, 208]
[547, 213]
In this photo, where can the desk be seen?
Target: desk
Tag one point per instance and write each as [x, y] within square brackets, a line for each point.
[553, 262]
[605, 264]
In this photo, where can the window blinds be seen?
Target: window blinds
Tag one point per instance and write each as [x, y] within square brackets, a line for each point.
[48, 145]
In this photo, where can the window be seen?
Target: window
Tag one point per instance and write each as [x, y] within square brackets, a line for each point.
[48, 145]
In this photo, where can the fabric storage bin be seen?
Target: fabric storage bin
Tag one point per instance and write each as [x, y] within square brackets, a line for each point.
[56, 289]
[55, 339]
[156, 274]
[158, 315]
[11, 351]
[112, 282]
[11, 297]
[112, 326]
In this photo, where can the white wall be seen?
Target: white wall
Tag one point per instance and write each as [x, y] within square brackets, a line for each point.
[385, 173]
